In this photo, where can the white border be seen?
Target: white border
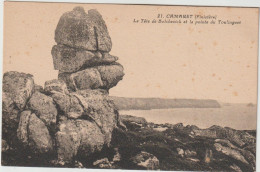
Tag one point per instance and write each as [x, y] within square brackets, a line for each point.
[231, 3]
[244, 3]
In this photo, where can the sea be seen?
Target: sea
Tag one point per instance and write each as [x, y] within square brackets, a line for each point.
[237, 116]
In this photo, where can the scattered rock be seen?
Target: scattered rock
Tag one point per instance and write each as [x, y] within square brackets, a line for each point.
[180, 152]
[237, 137]
[117, 156]
[57, 163]
[249, 157]
[179, 125]
[235, 168]
[230, 152]
[5, 146]
[161, 129]
[103, 163]
[240, 138]
[189, 153]
[78, 164]
[193, 159]
[205, 133]
[146, 160]
[227, 142]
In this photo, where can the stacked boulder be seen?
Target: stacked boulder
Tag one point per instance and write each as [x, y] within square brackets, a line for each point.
[89, 71]
[72, 116]
[82, 52]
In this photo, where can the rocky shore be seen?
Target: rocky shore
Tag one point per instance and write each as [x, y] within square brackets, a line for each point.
[138, 144]
[179, 147]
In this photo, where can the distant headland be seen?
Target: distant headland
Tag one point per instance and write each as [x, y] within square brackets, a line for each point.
[125, 103]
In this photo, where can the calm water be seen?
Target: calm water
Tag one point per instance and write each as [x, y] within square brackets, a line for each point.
[235, 116]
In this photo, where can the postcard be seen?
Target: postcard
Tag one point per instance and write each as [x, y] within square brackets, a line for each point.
[139, 87]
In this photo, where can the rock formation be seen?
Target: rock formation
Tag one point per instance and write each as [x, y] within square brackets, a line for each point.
[72, 115]
[73, 122]
[82, 54]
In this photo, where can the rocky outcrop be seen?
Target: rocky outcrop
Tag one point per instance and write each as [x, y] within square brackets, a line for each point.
[72, 117]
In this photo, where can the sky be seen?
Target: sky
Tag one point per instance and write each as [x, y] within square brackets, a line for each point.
[160, 60]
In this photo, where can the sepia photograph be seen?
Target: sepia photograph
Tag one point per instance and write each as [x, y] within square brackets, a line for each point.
[133, 87]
